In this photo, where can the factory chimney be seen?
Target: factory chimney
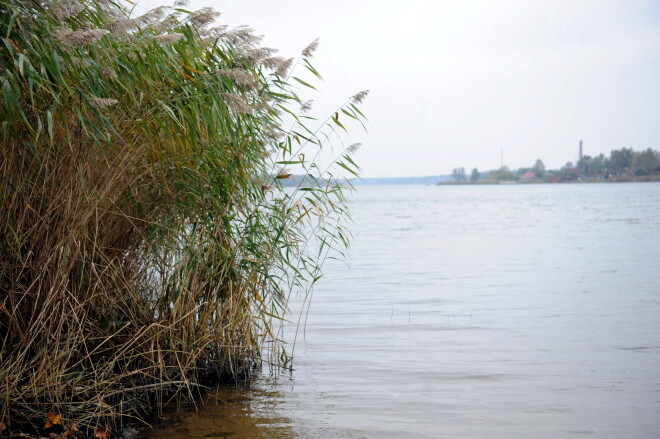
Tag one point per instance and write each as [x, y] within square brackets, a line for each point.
[580, 154]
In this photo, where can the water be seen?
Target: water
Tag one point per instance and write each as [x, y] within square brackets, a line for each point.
[518, 311]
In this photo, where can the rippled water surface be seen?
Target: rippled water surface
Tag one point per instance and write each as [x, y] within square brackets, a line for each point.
[518, 311]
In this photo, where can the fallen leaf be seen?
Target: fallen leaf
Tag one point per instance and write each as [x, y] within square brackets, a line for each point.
[102, 433]
[3, 426]
[53, 419]
[72, 429]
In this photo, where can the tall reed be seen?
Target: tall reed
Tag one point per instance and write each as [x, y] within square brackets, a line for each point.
[147, 245]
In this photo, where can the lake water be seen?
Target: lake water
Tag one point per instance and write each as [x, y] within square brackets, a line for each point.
[517, 311]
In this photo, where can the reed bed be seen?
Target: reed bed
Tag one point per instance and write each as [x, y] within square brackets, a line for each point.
[147, 245]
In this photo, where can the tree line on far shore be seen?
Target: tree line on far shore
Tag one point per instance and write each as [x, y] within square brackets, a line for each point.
[621, 163]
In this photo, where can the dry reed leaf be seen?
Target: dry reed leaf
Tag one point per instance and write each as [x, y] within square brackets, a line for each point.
[13, 44]
[283, 173]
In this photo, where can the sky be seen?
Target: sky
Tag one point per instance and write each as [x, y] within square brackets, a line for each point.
[468, 83]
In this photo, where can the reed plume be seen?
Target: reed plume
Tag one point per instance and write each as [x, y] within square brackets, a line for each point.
[311, 48]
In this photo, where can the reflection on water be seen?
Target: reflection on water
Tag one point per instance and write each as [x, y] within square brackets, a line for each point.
[475, 312]
[230, 413]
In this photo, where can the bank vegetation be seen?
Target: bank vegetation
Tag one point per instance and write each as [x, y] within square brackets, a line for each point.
[147, 247]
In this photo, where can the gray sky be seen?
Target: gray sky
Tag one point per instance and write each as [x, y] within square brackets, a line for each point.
[453, 83]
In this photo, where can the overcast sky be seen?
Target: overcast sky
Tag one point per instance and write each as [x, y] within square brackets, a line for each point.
[455, 83]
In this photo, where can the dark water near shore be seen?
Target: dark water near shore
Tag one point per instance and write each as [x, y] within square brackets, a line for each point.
[519, 311]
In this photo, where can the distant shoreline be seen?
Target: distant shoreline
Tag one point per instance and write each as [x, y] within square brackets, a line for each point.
[630, 179]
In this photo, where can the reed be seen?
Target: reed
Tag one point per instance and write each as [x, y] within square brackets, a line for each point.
[147, 246]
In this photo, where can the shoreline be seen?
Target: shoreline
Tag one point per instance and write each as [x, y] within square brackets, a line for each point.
[632, 179]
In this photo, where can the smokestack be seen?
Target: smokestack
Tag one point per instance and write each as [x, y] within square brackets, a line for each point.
[580, 155]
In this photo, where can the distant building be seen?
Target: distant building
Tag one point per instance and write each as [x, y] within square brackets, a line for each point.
[572, 173]
[529, 175]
